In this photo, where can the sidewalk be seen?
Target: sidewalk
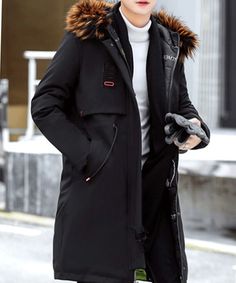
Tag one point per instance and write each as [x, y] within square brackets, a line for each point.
[208, 241]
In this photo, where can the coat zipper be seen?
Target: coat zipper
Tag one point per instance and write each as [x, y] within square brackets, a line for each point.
[174, 172]
[170, 184]
[169, 107]
[106, 157]
[181, 262]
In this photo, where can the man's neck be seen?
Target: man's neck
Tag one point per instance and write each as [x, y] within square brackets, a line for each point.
[136, 20]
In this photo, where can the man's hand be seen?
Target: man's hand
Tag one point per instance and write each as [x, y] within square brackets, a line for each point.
[193, 140]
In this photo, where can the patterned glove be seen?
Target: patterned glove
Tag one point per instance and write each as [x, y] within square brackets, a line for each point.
[180, 128]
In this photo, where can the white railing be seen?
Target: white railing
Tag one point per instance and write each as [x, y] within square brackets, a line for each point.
[33, 56]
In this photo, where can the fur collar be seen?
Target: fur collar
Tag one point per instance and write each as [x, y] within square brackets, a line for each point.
[87, 19]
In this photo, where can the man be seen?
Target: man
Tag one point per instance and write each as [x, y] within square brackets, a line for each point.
[102, 103]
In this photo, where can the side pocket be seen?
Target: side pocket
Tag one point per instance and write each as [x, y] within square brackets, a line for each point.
[99, 168]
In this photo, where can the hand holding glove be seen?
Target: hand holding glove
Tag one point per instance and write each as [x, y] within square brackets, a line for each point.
[186, 134]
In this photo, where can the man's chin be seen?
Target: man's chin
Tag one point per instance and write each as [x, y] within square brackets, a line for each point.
[143, 12]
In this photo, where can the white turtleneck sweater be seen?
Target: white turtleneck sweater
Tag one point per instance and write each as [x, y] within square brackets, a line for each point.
[139, 40]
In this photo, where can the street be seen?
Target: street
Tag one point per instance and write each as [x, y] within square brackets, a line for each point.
[26, 255]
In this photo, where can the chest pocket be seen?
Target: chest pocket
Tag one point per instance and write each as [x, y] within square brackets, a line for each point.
[101, 90]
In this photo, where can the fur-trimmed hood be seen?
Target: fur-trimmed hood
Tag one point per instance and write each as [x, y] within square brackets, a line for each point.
[88, 19]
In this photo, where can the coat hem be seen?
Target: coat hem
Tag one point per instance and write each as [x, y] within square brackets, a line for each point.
[89, 278]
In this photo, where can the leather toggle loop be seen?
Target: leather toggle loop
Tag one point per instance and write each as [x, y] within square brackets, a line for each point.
[109, 84]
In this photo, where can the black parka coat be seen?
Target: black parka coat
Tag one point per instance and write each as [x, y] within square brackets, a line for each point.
[85, 105]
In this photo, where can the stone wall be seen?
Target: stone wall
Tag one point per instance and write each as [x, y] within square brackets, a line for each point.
[207, 198]
[208, 201]
[32, 182]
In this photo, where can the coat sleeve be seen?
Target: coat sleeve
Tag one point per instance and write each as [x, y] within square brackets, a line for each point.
[186, 108]
[49, 102]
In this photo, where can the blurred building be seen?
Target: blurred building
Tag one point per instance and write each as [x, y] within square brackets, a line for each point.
[27, 25]
[38, 25]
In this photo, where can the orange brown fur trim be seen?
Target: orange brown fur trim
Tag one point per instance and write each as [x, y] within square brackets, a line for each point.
[189, 40]
[87, 18]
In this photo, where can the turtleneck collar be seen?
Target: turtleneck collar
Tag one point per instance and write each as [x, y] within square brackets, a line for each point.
[136, 34]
